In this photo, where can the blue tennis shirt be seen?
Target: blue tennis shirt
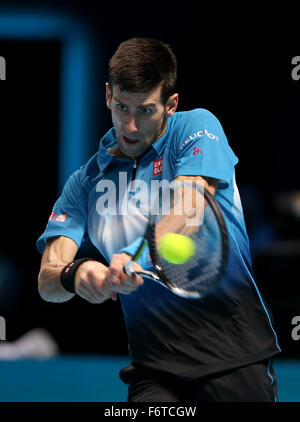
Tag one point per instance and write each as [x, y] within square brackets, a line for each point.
[105, 201]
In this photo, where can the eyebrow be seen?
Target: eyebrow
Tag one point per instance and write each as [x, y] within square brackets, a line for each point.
[142, 105]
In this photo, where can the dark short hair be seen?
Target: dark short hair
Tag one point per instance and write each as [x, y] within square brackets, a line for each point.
[141, 64]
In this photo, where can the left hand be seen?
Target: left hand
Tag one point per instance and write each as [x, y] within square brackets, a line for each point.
[117, 280]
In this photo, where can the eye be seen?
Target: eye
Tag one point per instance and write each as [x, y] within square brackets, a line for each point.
[122, 107]
[146, 111]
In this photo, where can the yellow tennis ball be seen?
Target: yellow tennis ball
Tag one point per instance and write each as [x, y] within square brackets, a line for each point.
[176, 248]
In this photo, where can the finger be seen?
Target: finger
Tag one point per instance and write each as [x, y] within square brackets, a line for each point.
[97, 283]
[117, 263]
[90, 291]
[100, 287]
[125, 285]
[135, 277]
[89, 298]
[134, 267]
[114, 283]
[118, 260]
[96, 298]
[135, 280]
[117, 273]
[120, 282]
[124, 289]
[113, 276]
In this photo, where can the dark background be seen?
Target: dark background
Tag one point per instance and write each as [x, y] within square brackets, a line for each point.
[236, 65]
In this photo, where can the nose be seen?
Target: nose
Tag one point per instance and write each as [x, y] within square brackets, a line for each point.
[130, 125]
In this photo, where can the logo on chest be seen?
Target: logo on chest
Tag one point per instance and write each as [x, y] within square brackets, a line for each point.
[157, 166]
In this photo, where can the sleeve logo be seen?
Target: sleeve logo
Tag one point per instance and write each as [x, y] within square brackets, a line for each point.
[197, 150]
[60, 218]
[51, 216]
[157, 166]
[197, 135]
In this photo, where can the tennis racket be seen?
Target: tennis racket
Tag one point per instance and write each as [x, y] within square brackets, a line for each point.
[186, 208]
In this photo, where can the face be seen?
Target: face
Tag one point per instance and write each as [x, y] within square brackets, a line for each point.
[138, 118]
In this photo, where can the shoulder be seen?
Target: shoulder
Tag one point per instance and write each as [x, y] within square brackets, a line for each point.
[82, 179]
[197, 114]
[192, 124]
[90, 172]
[188, 122]
[90, 169]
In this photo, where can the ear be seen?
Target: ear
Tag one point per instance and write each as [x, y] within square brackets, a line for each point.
[172, 104]
[108, 95]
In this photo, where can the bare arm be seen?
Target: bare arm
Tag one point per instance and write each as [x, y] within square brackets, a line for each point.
[93, 280]
[186, 208]
[57, 254]
[208, 183]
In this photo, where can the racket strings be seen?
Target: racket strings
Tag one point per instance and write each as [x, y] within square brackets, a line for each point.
[201, 271]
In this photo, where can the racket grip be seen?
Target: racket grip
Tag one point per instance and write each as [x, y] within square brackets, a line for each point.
[128, 269]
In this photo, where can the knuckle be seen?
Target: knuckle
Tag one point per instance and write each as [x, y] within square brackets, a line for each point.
[90, 272]
[114, 259]
[94, 300]
[83, 282]
[99, 293]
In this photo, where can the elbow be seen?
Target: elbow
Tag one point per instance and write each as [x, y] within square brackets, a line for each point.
[50, 289]
[42, 287]
[45, 287]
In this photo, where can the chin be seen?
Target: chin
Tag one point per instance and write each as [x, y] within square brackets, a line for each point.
[130, 150]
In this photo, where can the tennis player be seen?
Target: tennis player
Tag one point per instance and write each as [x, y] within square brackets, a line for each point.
[215, 349]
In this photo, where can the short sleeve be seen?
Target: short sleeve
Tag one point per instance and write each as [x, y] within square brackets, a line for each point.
[203, 149]
[69, 214]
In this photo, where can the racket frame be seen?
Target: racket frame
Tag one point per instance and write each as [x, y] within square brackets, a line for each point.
[161, 277]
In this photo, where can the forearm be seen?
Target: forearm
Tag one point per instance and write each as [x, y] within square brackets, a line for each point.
[187, 207]
[57, 254]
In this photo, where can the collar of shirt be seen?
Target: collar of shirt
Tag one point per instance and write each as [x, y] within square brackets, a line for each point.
[108, 142]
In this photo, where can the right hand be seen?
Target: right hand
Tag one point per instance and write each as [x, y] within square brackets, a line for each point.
[91, 283]
[118, 280]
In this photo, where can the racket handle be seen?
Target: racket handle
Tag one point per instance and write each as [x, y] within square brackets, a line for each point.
[128, 269]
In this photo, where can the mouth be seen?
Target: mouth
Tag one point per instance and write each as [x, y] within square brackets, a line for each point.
[130, 141]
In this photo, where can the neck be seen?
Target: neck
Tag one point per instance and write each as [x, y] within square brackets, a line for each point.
[118, 153]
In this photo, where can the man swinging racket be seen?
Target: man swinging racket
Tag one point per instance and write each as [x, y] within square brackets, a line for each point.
[216, 348]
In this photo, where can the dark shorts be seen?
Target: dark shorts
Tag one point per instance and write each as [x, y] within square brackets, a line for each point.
[253, 383]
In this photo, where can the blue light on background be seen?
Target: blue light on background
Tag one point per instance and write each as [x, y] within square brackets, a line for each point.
[78, 79]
